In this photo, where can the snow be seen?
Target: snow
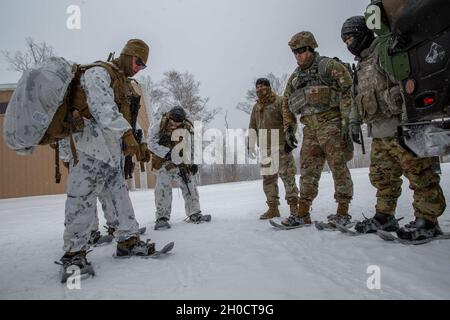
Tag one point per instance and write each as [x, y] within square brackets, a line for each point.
[236, 256]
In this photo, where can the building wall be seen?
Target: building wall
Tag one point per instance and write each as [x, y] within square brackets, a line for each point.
[24, 176]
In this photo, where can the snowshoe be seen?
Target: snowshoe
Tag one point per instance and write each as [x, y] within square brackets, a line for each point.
[75, 262]
[343, 220]
[347, 230]
[295, 221]
[135, 247]
[162, 223]
[331, 224]
[380, 221]
[387, 236]
[283, 227]
[420, 229]
[109, 237]
[198, 218]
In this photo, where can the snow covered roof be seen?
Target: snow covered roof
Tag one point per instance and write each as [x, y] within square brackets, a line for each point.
[7, 86]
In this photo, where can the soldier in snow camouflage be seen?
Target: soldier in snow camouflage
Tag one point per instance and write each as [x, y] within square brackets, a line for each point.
[174, 169]
[319, 91]
[97, 164]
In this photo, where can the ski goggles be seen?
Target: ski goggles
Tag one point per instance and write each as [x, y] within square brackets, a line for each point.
[140, 63]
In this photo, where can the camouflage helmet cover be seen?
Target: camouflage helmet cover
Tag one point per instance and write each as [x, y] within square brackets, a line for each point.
[303, 39]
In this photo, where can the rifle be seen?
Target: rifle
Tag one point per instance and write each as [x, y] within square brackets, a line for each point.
[135, 105]
[354, 94]
[361, 138]
[184, 174]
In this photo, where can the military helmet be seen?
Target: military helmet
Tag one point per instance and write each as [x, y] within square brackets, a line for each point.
[362, 36]
[177, 114]
[136, 48]
[303, 39]
[263, 81]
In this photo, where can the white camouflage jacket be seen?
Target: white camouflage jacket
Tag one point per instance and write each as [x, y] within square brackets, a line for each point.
[102, 134]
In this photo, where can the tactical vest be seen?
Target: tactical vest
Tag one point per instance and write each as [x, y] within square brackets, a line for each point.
[377, 97]
[314, 92]
[68, 118]
[165, 139]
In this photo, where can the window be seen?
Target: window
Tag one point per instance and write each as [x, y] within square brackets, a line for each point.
[3, 106]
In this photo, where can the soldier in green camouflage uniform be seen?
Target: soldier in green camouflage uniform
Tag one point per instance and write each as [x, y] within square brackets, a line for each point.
[378, 102]
[267, 114]
[319, 91]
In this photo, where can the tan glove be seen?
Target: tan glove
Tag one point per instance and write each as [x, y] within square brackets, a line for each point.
[130, 146]
[144, 153]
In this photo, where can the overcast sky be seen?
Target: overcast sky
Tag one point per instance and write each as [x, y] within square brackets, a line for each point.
[225, 44]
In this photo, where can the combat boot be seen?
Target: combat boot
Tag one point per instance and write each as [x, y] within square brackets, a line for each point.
[341, 217]
[273, 212]
[134, 247]
[420, 229]
[162, 223]
[381, 221]
[302, 217]
[198, 218]
[75, 261]
[303, 212]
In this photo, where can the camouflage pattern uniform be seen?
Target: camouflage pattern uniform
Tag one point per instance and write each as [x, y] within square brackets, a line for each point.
[105, 199]
[321, 95]
[379, 104]
[269, 115]
[167, 172]
[99, 167]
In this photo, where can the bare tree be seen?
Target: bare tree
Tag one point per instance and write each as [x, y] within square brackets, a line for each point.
[178, 89]
[34, 53]
[182, 89]
[278, 84]
[154, 97]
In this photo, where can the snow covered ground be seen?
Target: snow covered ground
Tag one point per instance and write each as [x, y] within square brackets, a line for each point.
[234, 257]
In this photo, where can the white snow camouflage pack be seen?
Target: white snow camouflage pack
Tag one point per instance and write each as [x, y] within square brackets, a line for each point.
[39, 93]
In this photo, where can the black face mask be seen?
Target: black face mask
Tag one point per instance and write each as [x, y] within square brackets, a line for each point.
[360, 43]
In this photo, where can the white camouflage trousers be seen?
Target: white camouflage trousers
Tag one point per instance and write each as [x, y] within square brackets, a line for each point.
[85, 182]
[109, 211]
[163, 193]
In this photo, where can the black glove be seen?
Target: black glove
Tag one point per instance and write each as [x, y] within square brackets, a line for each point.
[193, 169]
[287, 148]
[291, 140]
[355, 130]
